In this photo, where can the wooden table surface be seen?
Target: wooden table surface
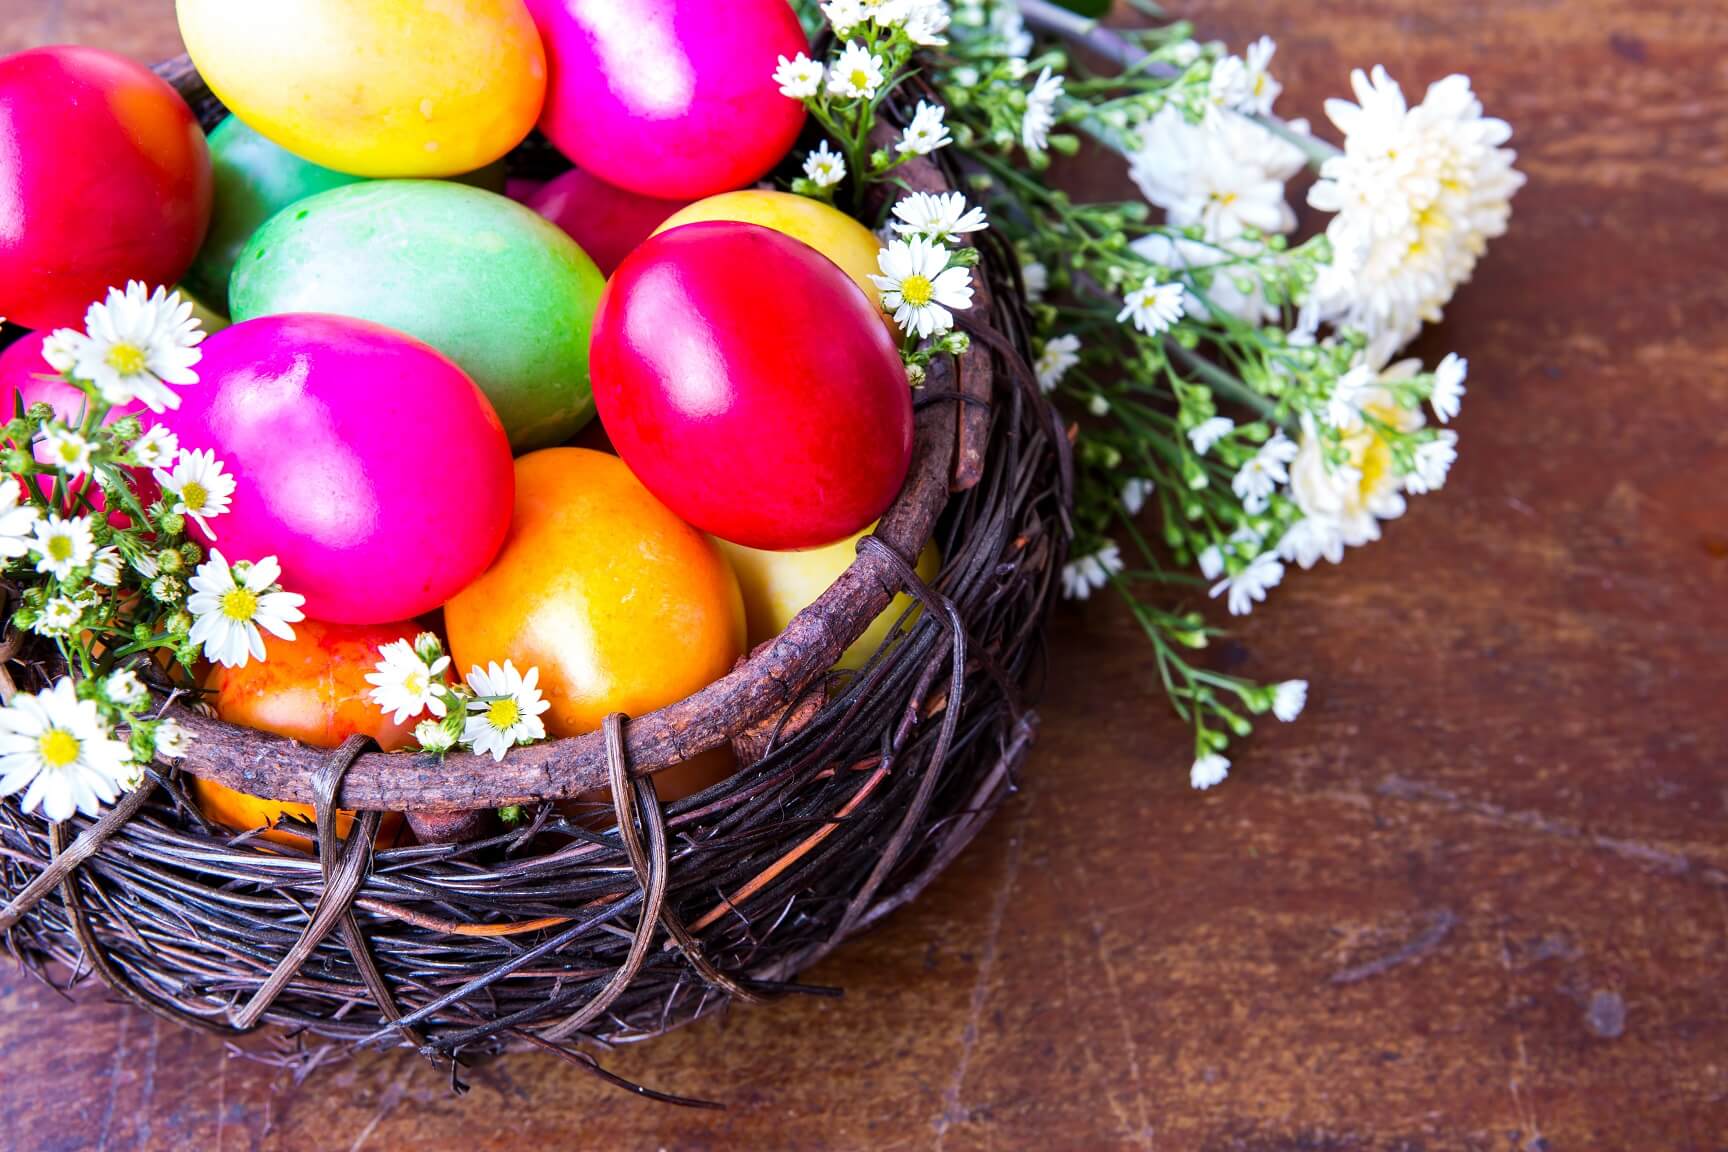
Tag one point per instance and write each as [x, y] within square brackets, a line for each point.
[1477, 898]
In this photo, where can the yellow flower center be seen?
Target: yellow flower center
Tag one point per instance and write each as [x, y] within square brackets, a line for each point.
[194, 496]
[503, 714]
[127, 359]
[60, 547]
[68, 451]
[57, 748]
[414, 683]
[860, 78]
[917, 290]
[239, 604]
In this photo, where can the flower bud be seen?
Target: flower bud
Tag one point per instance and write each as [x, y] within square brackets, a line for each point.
[40, 412]
[172, 523]
[126, 428]
[16, 461]
[434, 736]
[169, 560]
[166, 589]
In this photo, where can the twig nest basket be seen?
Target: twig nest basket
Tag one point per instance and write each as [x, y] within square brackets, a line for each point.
[854, 791]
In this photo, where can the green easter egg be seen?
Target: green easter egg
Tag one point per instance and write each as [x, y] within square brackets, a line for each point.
[492, 285]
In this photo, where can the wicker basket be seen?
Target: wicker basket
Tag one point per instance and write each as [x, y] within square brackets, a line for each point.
[854, 792]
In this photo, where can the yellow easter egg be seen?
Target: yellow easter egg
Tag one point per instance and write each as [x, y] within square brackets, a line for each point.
[375, 87]
[779, 585]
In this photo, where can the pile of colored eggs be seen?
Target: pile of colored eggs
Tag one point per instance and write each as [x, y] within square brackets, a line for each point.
[410, 348]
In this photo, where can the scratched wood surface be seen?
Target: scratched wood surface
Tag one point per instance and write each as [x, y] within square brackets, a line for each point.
[1477, 899]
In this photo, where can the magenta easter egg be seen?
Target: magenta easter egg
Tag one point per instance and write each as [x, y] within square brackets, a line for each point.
[104, 178]
[606, 222]
[366, 462]
[751, 386]
[667, 97]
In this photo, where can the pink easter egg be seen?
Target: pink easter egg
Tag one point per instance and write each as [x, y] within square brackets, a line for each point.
[366, 462]
[669, 98]
[606, 222]
[25, 376]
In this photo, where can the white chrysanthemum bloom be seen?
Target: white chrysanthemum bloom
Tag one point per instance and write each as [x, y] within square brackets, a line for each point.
[55, 748]
[199, 485]
[1059, 354]
[857, 74]
[230, 604]
[940, 217]
[68, 452]
[507, 711]
[1244, 83]
[157, 448]
[172, 740]
[1249, 586]
[1310, 540]
[800, 77]
[1208, 771]
[124, 688]
[62, 546]
[1153, 307]
[16, 521]
[1433, 460]
[106, 566]
[1225, 174]
[919, 288]
[405, 684]
[1418, 193]
[1035, 278]
[135, 344]
[1288, 700]
[1448, 395]
[824, 167]
[1347, 503]
[1134, 494]
[1084, 575]
[927, 132]
[1040, 115]
[844, 15]
[59, 617]
[1255, 482]
[1238, 290]
[1208, 432]
[926, 23]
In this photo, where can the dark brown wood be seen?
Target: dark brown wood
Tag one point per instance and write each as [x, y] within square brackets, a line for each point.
[1474, 900]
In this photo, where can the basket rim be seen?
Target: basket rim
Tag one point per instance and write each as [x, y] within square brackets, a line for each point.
[947, 456]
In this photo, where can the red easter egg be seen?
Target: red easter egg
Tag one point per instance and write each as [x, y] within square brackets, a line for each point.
[606, 222]
[669, 98]
[751, 386]
[366, 462]
[106, 179]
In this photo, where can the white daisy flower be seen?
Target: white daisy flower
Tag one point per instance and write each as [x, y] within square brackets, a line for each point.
[406, 684]
[199, 485]
[16, 521]
[1310, 540]
[1448, 394]
[1225, 175]
[1249, 586]
[230, 604]
[1244, 83]
[1082, 576]
[105, 566]
[1265, 470]
[799, 78]
[59, 617]
[857, 74]
[124, 688]
[1288, 700]
[1352, 390]
[157, 448]
[1040, 115]
[1036, 280]
[55, 749]
[941, 217]
[824, 167]
[1238, 290]
[1134, 494]
[1208, 770]
[927, 132]
[62, 546]
[844, 15]
[926, 22]
[1153, 307]
[1059, 354]
[172, 740]
[1208, 432]
[919, 288]
[506, 712]
[135, 344]
[68, 452]
[1433, 460]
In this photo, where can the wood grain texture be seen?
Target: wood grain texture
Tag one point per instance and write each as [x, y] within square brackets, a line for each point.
[1476, 899]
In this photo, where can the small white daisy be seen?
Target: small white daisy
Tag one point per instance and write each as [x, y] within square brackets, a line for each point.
[135, 344]
[1433, 460]
[157, 448]
[1310, 540]
[1208, 432]
[105, 566]
[919, 287]
[1040, 115]
[55, 748]
[844, 15]
[1249, 586]
[200, 487]
[926, 23]
[230, 604]
[16, 521]
[1082, 576]
[62, 546]
[1448, 394]
[1288, 700]
[1036, 280]
[124, 688]
[941, 217]
[857, 74]
[1059, 354]
[1153, 307]
[1265, 470]
[68, 452]
[1349, 394]
[1134, 494]
[927, 132]
[405, 683]
[172, 740]
[824, 167]
[799, 78]
[506, 712]
[1208, 770]
[59, 617]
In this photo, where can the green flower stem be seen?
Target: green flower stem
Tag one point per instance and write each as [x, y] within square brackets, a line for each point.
[1222, 382]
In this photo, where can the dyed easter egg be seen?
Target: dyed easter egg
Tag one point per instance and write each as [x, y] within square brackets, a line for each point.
[622, 606]
[486, 281]
[669, 99]
[779, 585]
[313, 689]
[105, 179]
[375, 87]
[607, 222]
[751, 386]
[366, 462]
